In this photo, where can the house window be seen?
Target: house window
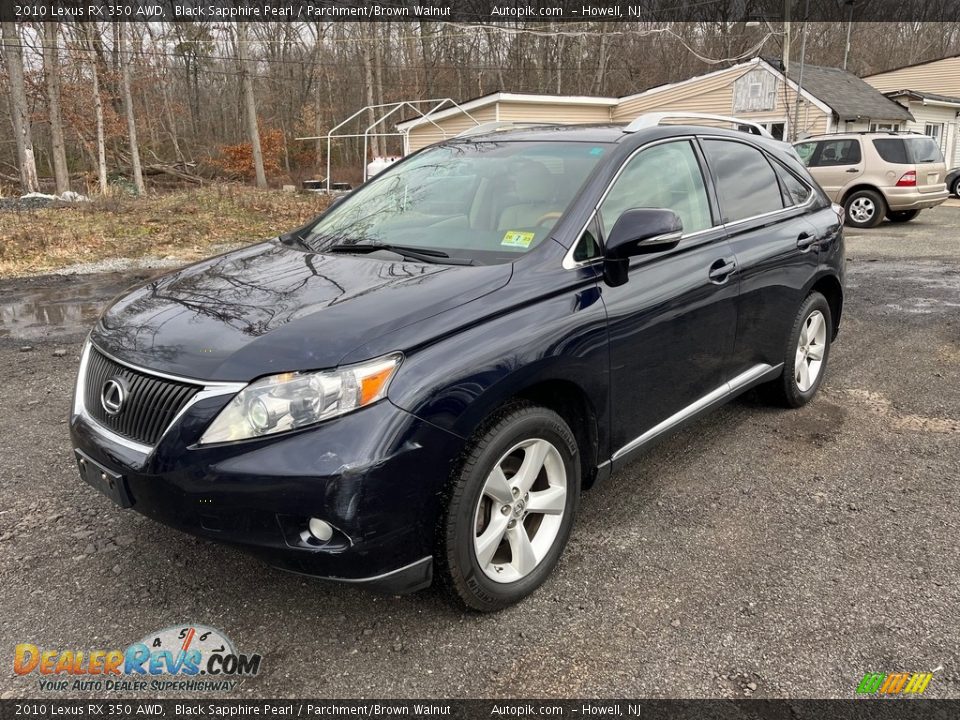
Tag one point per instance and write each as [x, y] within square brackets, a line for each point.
[935, 130]
[879, 127]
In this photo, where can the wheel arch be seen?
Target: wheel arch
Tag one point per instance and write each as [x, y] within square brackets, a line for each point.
[571, 402]
[829, 286]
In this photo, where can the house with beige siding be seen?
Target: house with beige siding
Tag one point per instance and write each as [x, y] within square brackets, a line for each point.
[818, 100]
[931, 91]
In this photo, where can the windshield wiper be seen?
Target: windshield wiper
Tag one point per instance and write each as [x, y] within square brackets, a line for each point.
[297, 239]
[421, 254]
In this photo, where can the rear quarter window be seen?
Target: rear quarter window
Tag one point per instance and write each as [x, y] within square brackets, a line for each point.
[892, 150]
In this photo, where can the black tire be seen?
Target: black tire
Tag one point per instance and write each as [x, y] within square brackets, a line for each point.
[457, 565]
[902, 216]
[784, 391]
[871, 197]
[956, 188]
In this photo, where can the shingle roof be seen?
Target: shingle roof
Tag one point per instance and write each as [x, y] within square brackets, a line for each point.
[847, 95]
[923, 95]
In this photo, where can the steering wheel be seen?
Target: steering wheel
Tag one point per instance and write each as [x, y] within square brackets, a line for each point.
[547, 216]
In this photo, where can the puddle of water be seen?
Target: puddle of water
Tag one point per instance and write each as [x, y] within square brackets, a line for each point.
[62, 309]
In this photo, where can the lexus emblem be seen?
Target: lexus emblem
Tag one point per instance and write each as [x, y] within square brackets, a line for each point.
[112, 395]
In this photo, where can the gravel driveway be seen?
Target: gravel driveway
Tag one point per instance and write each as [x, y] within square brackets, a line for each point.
[759, 552]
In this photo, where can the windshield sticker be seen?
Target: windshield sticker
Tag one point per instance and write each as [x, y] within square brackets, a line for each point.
[515, 238]
[596, 151]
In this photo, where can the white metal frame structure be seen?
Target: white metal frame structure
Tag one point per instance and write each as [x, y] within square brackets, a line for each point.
[384, 111]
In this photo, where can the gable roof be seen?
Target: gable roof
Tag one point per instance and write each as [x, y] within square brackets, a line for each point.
[911, 65]
[847, 95]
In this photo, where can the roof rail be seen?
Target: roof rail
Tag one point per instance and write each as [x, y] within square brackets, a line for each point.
[648, 120]
[495, 125]
[864, 132]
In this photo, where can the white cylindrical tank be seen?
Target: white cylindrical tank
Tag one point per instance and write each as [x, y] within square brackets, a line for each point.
[379, 164]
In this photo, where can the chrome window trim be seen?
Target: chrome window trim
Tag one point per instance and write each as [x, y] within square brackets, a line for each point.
[570, 264]
[208, 389]
[730, 387]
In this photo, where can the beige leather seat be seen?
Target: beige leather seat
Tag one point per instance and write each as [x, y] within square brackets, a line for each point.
[531, 199]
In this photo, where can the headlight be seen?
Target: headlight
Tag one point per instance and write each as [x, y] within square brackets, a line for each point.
[292, 400]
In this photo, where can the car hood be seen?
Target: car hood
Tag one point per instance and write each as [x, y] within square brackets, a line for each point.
[272, 308]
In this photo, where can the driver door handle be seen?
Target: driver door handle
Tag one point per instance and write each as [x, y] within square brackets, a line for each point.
[806, 241]
[721, 270]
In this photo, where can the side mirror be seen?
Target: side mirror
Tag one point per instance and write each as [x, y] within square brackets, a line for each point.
[643, 230]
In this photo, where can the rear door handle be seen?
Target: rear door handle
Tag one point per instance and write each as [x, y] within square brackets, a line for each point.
[721, 270]
[806, 241]
[852, 170]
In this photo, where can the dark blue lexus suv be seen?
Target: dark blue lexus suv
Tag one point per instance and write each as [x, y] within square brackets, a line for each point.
[422, 380]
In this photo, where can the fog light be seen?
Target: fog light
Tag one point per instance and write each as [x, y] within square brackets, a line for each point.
[320, 529]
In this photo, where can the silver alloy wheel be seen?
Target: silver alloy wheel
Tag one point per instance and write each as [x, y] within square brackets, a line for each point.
[862, 209]
[520, 510]
[810, 350]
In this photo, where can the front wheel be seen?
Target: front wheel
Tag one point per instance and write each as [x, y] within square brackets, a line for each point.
[902, 216]
[864, 208]
[806, 354]
[510, 508]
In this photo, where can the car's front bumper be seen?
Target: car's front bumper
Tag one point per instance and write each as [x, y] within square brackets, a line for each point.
[909, 198]
[375, 475]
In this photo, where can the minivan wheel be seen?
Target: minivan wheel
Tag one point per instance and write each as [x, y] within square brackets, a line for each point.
[864, 209]
[806, 354]
[902, 216]
[510, 508]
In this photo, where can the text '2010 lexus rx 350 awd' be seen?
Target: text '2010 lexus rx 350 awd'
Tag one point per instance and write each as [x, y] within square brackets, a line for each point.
[420, 382]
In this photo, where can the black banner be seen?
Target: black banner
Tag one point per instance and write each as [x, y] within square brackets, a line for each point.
[866, 709]
[480, 11]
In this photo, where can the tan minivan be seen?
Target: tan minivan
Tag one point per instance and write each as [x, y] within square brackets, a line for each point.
[877, 174]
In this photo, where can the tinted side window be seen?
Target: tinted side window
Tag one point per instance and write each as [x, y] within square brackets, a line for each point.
[837, 152]
[663, 176]
[795, 192]
[892, 150]
[746, 184]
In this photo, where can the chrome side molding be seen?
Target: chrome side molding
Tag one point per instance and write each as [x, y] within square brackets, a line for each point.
[728, 389]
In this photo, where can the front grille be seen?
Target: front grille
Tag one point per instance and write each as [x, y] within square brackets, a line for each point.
[150, 403]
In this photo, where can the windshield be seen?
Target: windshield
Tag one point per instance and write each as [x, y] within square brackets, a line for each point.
[483, 201]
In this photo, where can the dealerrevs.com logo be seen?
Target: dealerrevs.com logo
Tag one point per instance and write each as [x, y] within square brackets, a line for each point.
[188, 657]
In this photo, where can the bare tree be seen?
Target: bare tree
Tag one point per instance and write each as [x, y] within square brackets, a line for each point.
[18, 108]
[98, 113]
[50, 42]
[250, 104]
[128, 107]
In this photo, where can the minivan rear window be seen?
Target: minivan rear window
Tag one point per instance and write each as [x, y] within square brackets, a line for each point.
[908, 150]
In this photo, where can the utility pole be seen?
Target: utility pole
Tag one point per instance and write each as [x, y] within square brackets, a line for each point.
[786, 37]
[846, 49]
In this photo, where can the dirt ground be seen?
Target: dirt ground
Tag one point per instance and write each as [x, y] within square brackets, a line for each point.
[760, 552]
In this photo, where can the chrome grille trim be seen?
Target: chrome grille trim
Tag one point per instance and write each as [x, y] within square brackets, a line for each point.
[195, 390]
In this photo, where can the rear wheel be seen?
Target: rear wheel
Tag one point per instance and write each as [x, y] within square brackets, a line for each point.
[864, 208]
[955, 188]
[901, 216]
[806, 354]
[510, 508]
